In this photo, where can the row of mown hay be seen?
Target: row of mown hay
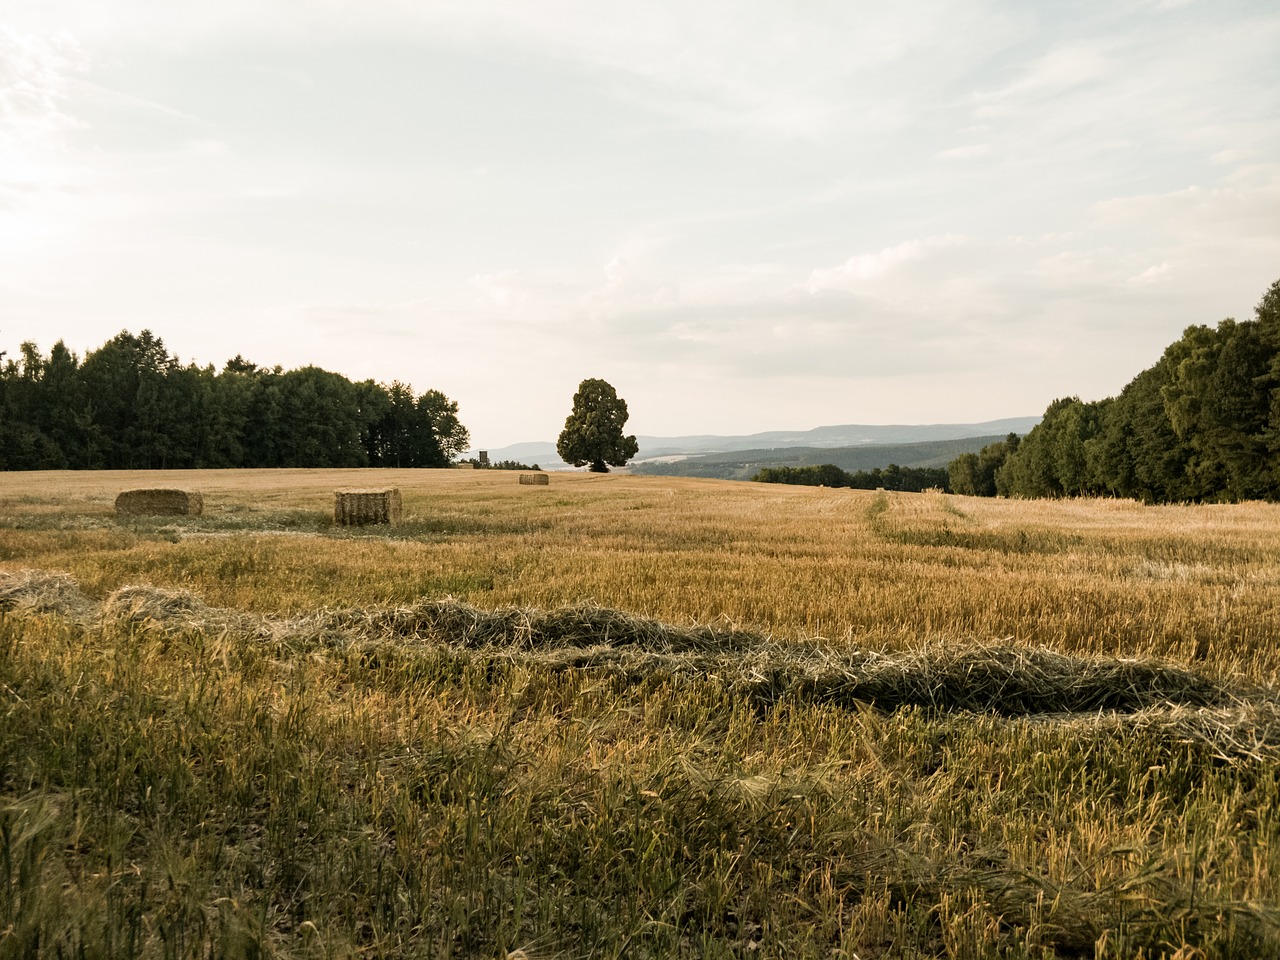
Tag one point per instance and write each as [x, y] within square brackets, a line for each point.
[1001, 679]
[1011, 681]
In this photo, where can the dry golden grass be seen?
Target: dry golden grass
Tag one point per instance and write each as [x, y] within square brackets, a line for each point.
[628, 716]
[1197, 584]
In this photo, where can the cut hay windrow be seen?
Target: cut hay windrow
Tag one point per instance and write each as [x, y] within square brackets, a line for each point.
[448, 621]
[37, 591]
[1002, 680]
[169, 609]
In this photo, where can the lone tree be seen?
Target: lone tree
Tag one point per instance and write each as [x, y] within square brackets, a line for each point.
[593, 431]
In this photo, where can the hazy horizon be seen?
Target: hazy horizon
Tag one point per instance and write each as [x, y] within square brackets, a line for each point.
[747, 217]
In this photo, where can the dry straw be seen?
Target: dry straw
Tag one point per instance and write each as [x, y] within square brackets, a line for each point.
[1236, 723]
[535, 479]
[37, 591]
[159, 503]
[359, 507]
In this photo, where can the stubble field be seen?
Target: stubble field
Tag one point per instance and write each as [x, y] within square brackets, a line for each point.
[630, 716]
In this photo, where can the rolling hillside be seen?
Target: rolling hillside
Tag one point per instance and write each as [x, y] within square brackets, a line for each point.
[743, 464]
[829, 437]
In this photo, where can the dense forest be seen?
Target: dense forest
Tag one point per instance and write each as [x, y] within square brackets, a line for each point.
[130, 405]
[1202, 424]
[892, 477]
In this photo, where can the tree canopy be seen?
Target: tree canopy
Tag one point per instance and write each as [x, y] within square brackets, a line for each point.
[974, 474]
[592, 432]
[1201, 424]
[130, 405]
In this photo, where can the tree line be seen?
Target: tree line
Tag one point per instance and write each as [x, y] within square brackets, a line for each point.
[892, 477]
[1202, 424]
[131, 405]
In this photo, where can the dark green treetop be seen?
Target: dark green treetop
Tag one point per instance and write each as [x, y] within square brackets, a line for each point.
[593, 431]
[130, 405]
[1201, 424]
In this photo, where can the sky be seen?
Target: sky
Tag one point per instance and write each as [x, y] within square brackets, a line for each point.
[744, 215]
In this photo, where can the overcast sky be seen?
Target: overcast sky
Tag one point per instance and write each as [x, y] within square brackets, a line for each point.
[745, 215]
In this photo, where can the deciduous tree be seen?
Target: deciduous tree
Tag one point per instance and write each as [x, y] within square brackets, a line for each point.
[593, 431]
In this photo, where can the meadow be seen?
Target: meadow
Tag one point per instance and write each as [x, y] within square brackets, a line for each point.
[625, 716]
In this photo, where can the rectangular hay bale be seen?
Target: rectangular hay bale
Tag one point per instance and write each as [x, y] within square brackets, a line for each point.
[535, 479]
[159, 503]
[359, 507]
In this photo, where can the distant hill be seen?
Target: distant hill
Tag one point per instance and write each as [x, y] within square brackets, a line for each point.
[744, 464]
[844, 435]
[840, 436]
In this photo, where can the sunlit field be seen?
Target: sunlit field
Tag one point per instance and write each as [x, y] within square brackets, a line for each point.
[634, 716]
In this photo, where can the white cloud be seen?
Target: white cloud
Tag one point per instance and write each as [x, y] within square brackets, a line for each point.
[36, 78]
[1060, 70]
[35, 74]
[718, 200]
[1152, 274]
[1246, 206]
[852, 274]
[754, 67]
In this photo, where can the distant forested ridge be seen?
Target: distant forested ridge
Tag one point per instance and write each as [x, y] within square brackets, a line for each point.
[892, 477]
[130, 405]
[1202, 424]
[863, 458]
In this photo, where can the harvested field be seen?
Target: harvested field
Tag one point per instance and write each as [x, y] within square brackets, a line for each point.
[636, 717]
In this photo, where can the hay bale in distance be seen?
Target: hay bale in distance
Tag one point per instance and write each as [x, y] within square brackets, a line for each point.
[535, 479]
[359, 507]
[159, 503]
